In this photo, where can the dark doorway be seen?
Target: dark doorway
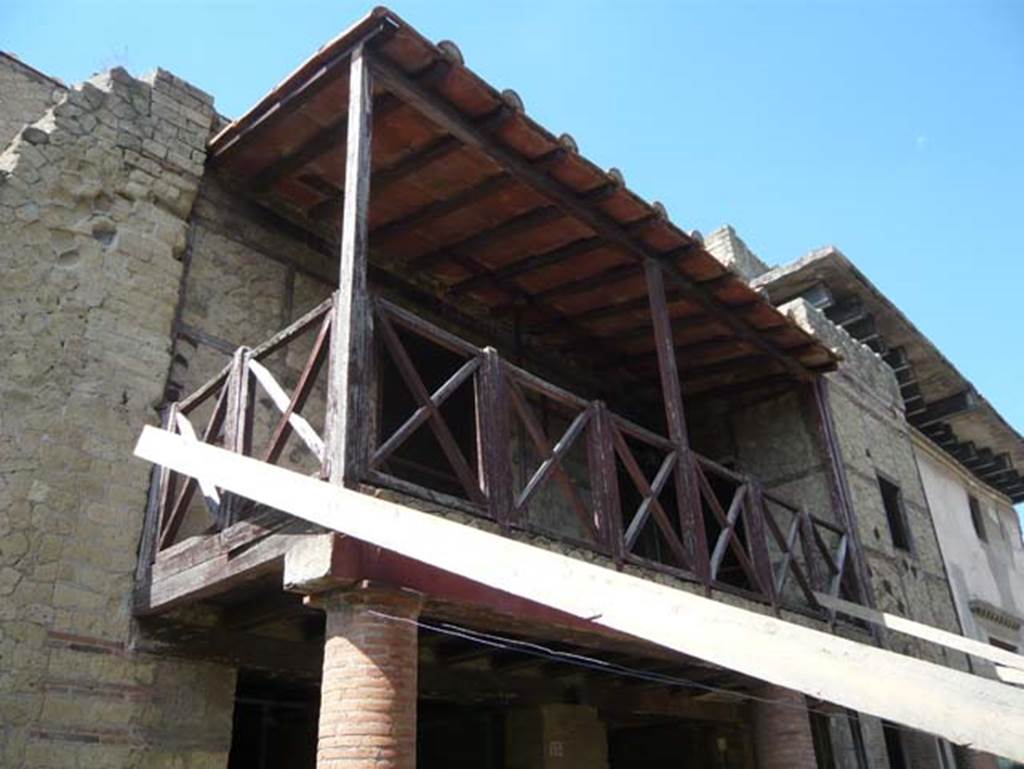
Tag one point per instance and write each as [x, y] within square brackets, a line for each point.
[275, 723]
[459, 737]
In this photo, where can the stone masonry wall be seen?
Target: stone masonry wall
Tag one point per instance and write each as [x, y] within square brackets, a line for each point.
[93, 205]
[25, 94]
[875, 439]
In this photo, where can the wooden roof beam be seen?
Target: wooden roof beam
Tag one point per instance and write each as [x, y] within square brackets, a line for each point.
[510, 228]
[326, 139]
[537, 261]
[937, 411]
[438, 209]
[444, 115]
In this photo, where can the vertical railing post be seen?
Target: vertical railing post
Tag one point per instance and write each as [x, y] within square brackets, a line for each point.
[493, 438]
[757, 535]
[604, 482]
[348, 440]
[691, 515]
[237, 426]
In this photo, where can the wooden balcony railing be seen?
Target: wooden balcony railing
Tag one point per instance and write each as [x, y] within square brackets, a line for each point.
[460, 426]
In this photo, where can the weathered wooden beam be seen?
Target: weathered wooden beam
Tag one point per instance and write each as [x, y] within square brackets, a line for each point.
[168, 636]
[910, 691]
[937, 411]
[347, 442]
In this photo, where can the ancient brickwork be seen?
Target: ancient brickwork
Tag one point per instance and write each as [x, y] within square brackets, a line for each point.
[93, 204]
[368, 692]
[25, 95]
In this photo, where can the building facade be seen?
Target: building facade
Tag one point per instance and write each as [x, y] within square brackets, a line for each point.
[517, 343]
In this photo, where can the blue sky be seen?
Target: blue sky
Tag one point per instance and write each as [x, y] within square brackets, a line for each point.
[894, 130]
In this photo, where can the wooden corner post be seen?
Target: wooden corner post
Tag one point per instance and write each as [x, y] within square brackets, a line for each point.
[691, 516]
[351, 360]
[817, 402]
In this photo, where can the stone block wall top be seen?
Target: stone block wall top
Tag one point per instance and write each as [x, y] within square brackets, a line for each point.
[728, 248]
[859, 361]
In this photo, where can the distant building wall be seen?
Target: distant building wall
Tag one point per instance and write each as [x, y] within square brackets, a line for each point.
[94, 199]
[987, 576]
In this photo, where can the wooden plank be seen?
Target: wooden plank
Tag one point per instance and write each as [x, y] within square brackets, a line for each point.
[925, 632]
[964, 709]
[283, 402]
[347, 439]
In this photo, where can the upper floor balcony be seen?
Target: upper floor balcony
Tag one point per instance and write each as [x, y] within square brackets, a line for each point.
[582, 353]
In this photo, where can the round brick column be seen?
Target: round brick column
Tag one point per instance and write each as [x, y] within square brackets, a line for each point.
[368, 690]
[782, 731]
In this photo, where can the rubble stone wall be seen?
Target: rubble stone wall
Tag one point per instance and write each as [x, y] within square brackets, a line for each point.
[94, 198]
[25, 95]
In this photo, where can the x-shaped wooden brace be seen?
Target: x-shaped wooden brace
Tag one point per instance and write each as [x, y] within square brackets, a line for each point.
[552, 458]
[650, 505]
[787, 543]
[727, 538]
[170, 526]
[290, 419]
[428, 410]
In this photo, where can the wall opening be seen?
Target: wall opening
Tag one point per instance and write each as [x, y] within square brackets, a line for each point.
[892, 500]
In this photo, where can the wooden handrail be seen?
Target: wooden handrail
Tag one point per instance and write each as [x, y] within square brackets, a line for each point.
[771, 540]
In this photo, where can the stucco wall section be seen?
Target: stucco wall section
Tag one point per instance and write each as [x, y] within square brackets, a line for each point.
[93, 201]
[992, 571]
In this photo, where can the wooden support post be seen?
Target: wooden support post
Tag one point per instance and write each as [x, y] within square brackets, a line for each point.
[237, 426]
[839, 489]
[691, 515]
[493, 438]
[348, 439]
[604, 482]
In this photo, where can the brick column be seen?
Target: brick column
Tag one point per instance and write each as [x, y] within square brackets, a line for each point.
[782, 732]
[368, 690]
